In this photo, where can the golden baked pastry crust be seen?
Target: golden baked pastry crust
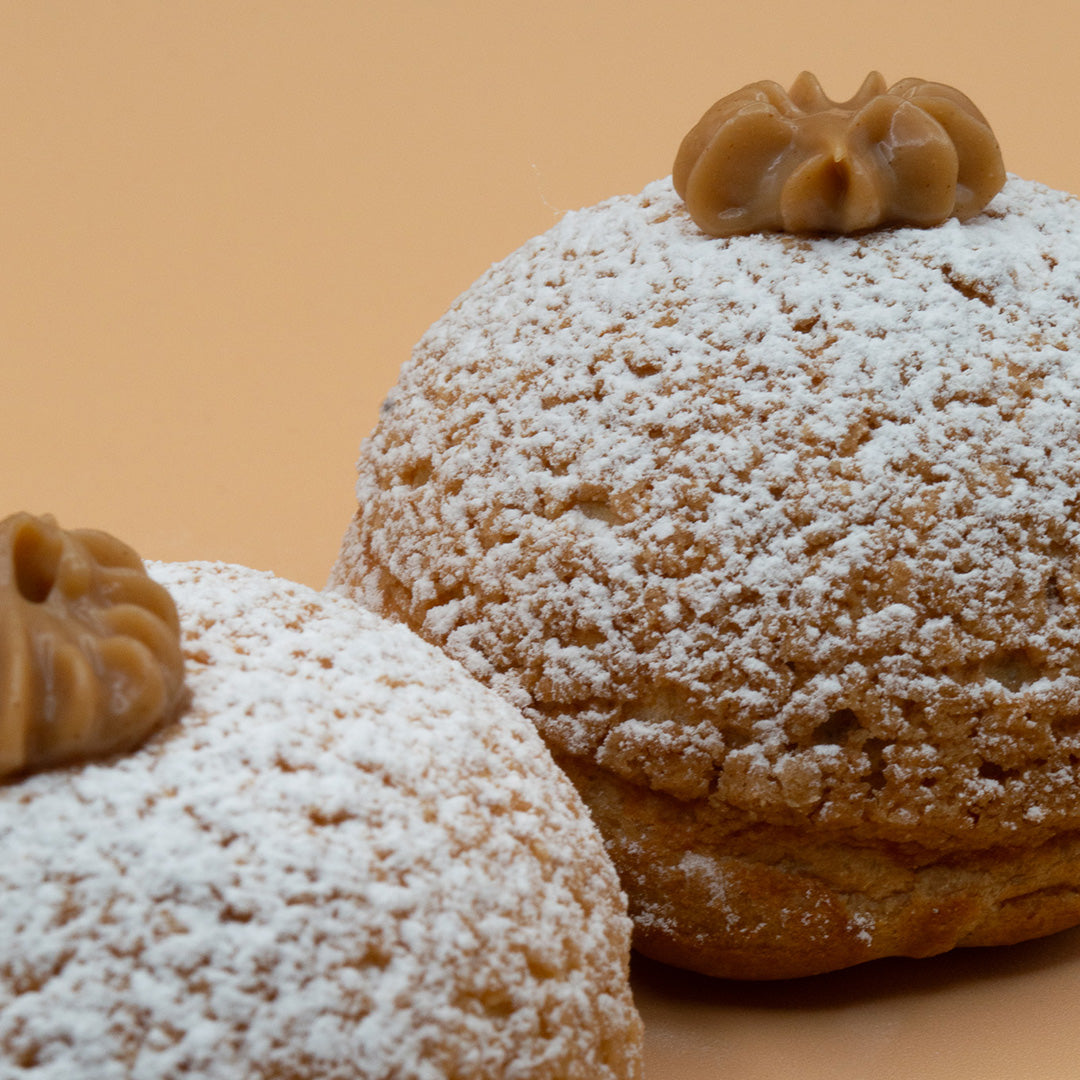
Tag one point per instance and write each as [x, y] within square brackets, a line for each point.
[769, 531]
[730, 896]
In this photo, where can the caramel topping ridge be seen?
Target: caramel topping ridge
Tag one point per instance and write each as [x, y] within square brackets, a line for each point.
[764, 159]
[90, 658]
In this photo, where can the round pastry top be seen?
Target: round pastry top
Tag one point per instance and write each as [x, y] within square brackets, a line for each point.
[346, 850]
[781, 523]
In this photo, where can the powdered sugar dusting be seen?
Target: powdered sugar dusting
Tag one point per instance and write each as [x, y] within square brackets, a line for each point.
[791, 524]
[346, 860]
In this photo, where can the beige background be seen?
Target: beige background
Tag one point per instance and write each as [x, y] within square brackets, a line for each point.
[222, 225]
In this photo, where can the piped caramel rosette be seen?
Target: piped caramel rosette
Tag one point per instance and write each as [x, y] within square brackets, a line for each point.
[90, 659]
[764, 159]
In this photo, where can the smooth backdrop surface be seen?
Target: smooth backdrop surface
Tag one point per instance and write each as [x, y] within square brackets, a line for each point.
[224, 223]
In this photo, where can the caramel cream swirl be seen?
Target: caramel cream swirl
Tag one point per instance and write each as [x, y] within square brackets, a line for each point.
[90, 658]
[765, 159]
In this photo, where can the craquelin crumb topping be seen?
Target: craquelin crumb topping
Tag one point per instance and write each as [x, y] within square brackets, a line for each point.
[775, 523]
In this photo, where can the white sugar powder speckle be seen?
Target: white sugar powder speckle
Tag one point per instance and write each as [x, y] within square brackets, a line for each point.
[347, 859]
